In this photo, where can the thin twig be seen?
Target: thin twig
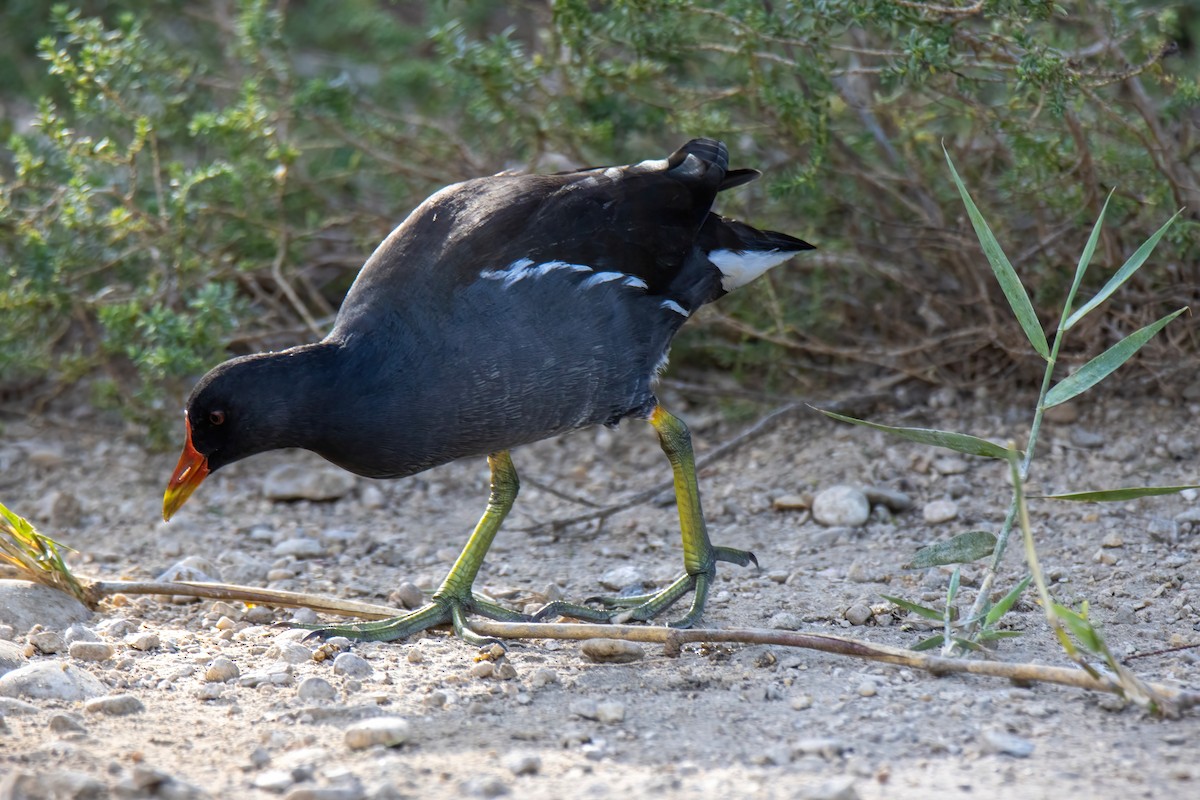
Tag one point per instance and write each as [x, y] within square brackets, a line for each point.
[1168, 700]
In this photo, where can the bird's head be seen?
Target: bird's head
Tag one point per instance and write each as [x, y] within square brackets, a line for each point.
[245, 406]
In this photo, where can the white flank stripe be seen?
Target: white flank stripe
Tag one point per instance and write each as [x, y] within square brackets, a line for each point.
[739, 268]
[602, 277]
[653, 163]
[671, 305]
[524, 268]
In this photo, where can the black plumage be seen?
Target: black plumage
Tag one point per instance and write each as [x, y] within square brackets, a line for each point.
[503, 311]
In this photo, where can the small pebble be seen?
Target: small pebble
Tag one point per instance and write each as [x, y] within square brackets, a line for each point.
[1112, 540]
[409, 595]
[867, 689]
[784, 621]
[221, 669]
[91, 651]
[543, 677]
[274, 780]
[893, 499]
[315, 689]
[352, 665]
[859, 614]
[80, 633]
[950, 465]
[522, 763]
[840, 788]
[610, 712]
[115, 705]
[612, 651]
[65, 723]
[791, 502]
[48, 642]
[1062, 414]
[801, 702]
[827, 748]
[584, 707]
[371, 497]
[386, 731]
[297, 481]
[839, 506]
[143, 641]
[938, 511]
[622, 577]
[299, 548]
[1081, 437]
[997, 741]
[482, 669]
[292, 653]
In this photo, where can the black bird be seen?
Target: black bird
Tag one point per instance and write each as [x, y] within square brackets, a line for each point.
[503, 311]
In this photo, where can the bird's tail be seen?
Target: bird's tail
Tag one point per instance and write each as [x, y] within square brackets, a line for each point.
[742, 252]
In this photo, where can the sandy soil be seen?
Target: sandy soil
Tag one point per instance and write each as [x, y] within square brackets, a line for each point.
[717, 721]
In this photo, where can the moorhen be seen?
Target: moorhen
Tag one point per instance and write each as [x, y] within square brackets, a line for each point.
[503, 311]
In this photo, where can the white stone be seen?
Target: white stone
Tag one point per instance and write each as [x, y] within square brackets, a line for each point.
[305, 482]
[50, 680]
[938, 511]
[386, 731]
[24, 604]
[841, 506]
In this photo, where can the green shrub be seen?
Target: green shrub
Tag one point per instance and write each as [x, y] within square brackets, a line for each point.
[199, 182]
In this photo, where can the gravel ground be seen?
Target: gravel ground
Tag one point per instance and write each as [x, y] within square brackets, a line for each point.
[150, 697]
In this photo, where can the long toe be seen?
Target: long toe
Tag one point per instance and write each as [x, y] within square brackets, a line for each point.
[428, 616]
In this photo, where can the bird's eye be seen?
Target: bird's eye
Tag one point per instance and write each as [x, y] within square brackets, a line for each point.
[216, 417]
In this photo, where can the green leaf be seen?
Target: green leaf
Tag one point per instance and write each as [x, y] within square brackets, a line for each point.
[1018, 299]
[951, 592]
[1117, 495]
[930, 643]
[907, 605]
[1081, 627]
[987, 636]
[1006, 603]
[960, 442]
[1123, 274]
[1106, 363]
[1085, 258]
[961, 549]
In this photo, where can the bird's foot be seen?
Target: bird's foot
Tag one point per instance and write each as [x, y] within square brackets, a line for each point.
[442, 610]
[645, 607]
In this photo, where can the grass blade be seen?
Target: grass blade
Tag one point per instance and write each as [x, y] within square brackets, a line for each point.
[930, 643]
[35, 555]
[1018, 298]
[961, 549]
[921, 611]
[1104, 364]
[1085, 258]
[1118, 495]
[960, 442]
[1123, 274]
[1006, 603]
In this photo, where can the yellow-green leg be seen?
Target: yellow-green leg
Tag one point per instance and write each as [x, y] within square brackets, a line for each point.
[699, 556]
[454, 599]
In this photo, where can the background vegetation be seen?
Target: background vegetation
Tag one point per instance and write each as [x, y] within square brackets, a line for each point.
[186, 180]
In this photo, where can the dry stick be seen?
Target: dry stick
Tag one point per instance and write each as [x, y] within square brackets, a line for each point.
[95, 590]
[1170, 700]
